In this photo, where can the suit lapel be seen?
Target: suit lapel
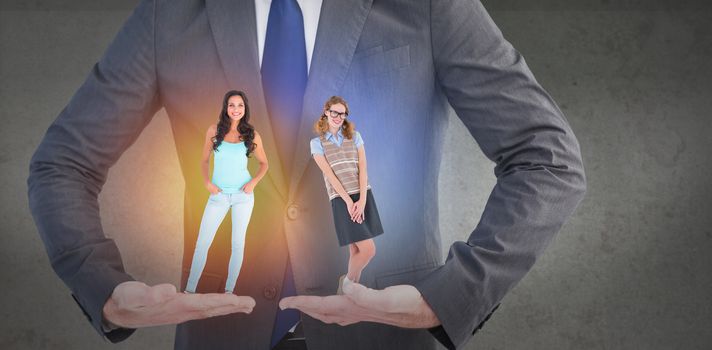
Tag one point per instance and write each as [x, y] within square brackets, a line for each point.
[340, 25]
[234, 29]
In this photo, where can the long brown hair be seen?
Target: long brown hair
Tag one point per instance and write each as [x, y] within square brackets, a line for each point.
[321, 126]
[246, 130]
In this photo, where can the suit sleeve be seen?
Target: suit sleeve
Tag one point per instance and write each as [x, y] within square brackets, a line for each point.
[69, 168]
[540, 176]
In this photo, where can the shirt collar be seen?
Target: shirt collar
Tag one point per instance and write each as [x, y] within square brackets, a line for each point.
[330, 136]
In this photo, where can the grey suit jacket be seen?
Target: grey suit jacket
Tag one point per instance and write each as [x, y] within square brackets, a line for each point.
[399, 64]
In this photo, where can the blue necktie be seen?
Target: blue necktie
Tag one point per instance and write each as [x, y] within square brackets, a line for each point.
[284, 75]
[284, 79]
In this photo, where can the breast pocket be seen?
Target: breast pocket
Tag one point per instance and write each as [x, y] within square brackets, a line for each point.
[375, 61]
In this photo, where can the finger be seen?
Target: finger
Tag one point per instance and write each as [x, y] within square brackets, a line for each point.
[197, 303]
[347, 322]
[354, 214]
[225, 310]
[332, 319]
[185, 307]
[301, 302]
[216, 311]
[207, 304]
[321, 317]
[329, 305]
[165, 316]
[344, 321]
[213, 300]
[337, 310]
[331, 309]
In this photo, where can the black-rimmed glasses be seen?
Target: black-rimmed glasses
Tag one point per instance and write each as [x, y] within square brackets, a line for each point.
[337, 114]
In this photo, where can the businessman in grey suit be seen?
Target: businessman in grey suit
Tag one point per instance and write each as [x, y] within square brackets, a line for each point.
[400, 64]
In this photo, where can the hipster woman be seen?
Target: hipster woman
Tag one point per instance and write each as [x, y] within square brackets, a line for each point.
[232, 141]
[338, 151]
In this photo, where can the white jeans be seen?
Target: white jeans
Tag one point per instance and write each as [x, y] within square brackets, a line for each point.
[218, 205]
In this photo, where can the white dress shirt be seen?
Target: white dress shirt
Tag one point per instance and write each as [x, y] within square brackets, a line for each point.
[311, 9]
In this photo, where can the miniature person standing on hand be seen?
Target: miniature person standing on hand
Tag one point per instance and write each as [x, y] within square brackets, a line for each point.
[339, 153]
[232, 141]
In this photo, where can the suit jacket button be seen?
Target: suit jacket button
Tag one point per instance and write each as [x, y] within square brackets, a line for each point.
[269, 292]
[292, 212]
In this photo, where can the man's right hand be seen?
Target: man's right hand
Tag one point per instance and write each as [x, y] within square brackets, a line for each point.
[134, 304]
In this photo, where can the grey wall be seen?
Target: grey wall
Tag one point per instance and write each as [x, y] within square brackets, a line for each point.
[631, 270]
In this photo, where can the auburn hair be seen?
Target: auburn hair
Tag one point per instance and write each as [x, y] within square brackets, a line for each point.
[321, 126]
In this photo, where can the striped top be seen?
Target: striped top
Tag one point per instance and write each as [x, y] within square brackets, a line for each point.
[338, 138]
[343, 161]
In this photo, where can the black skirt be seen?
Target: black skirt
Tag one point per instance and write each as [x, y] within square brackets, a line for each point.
[348, 231]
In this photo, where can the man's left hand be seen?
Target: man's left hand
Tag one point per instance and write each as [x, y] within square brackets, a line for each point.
[400, 305]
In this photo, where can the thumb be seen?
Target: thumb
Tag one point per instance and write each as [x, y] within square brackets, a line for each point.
[394, 299]
[130, 294]
[366, 297]
[162, 292]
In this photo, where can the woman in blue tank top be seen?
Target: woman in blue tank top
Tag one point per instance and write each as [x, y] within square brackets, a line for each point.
[231, 142]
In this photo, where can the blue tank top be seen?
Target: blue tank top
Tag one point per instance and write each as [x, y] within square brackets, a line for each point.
[230, 169]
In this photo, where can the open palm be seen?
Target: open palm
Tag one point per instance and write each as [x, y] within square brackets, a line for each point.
[134, 304]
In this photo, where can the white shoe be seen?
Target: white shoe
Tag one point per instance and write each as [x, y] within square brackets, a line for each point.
[339, 290]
